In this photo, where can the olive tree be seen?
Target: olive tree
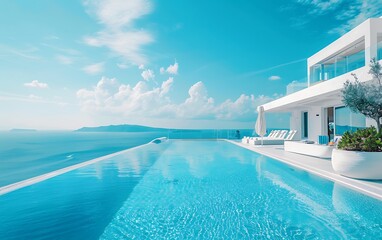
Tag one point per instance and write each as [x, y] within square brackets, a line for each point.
[365, 98]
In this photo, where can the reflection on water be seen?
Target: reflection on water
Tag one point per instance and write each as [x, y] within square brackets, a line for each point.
[78, 204]
[362, 211]
[188, 190]
[218, 190]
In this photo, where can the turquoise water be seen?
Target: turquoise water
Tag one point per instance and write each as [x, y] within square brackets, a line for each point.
[28, 154]
[189, 190]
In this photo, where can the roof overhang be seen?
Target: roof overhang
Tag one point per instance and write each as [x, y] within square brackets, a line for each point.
[324, 94]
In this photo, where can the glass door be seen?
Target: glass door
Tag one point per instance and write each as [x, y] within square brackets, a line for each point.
[330, 122]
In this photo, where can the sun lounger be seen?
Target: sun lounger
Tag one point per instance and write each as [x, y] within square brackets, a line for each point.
[273, 133]
[284, 135]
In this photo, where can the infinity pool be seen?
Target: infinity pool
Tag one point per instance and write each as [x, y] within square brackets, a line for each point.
[188, 190]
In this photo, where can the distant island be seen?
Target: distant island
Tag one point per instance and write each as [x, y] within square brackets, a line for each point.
[121, 128]
[23, 130]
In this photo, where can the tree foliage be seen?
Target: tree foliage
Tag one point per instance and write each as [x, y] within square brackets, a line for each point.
[365, 98]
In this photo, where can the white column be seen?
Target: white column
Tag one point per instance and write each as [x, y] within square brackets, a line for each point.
[371, 40]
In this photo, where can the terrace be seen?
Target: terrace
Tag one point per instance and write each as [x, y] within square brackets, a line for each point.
[317, 166]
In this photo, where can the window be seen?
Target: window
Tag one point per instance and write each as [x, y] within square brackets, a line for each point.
[305, 124]
[351, 58]
[346, 120]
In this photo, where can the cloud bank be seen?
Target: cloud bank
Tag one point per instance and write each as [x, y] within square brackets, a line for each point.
[141, 100]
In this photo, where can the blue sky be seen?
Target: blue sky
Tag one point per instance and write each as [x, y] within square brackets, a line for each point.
[182, 64]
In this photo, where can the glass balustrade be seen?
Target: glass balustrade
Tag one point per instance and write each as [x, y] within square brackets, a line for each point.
[337, 66]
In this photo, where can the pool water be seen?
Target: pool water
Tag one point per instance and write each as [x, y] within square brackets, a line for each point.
[189, 190]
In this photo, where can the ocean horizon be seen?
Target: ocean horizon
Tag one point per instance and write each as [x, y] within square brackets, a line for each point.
[28, 154]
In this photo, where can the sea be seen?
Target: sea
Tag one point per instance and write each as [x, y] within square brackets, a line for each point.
[24, 155]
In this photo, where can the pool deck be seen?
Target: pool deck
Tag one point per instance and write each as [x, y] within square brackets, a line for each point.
[317, 166]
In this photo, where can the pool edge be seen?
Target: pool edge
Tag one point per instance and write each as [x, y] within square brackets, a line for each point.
[364, 187]
[30, 181]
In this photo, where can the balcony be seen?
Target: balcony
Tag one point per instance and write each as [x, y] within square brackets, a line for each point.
[344, 62]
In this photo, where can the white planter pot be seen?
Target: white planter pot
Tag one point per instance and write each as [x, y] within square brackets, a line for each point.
[354, 164]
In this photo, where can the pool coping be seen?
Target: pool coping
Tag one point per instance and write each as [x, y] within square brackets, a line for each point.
[317, 166]
[30, 181]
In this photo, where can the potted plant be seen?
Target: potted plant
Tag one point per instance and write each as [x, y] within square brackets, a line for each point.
[359, 154]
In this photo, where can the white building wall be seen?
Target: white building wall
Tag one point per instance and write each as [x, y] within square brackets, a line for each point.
[371, 39]
[315, 123]
[368, 30]
[296, 123]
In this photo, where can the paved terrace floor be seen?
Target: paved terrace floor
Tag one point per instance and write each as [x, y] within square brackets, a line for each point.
[317, 166]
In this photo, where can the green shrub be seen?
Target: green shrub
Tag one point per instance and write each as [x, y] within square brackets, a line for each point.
[365, 140]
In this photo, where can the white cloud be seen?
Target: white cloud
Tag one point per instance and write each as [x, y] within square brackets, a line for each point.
[118, 13]
[126, 100]
[321, 6]
[94, 68]
[348, 15]
[243, 108]
[357, 12]
[64, 59]
[198, 104]
[274, 78]
[36, 84]
[147, 74]
[173, 69]
[119, 34]
[141, 67]
[141, 100]
[166, 86]
[244, 105]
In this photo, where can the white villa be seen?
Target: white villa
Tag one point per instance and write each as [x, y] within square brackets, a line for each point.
[317, 109]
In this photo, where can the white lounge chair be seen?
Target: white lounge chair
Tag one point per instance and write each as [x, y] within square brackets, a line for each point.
[291, 135]
[247, 139]
[273, 132]
[278, 140]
